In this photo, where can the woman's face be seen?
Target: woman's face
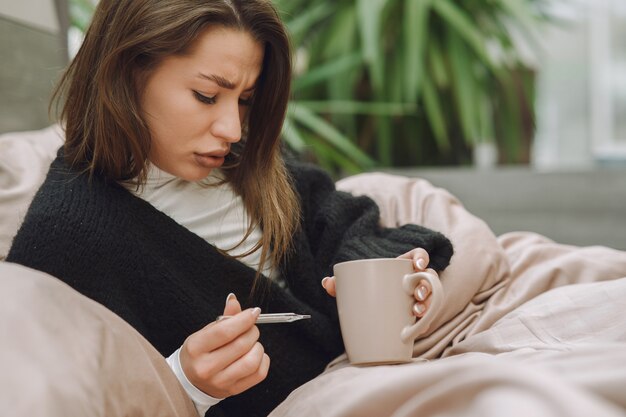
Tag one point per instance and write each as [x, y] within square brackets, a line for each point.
[195, 104]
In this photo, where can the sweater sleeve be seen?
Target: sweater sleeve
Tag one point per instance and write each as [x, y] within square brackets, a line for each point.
[337, 227]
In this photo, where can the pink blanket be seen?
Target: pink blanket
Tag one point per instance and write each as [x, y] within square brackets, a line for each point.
[530, 328]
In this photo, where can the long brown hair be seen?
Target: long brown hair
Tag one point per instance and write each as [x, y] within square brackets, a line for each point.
[106, 134]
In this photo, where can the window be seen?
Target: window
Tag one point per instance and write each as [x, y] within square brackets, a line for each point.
[608, 79]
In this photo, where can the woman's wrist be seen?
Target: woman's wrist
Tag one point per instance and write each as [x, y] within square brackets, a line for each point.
[200, 399]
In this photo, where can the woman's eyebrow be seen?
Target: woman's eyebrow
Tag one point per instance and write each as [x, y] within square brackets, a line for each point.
[222, 82]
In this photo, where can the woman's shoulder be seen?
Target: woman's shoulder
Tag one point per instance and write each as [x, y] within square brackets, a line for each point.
[309, 177]
[66, 185]
[74, 213]
[72, 202]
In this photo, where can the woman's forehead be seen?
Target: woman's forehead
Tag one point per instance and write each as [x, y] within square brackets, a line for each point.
[231, 51]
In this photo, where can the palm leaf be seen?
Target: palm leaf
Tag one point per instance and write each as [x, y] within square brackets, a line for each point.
[459, 21]
[435, 116]
[464, 87]
[328, 70]
[359, 107]
[415, 27]
[330, 159]
[303, 22]
[321, 127]
[292, 136]
[368, 12]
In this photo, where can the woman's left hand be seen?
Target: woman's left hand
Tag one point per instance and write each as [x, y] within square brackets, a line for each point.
[423, 290]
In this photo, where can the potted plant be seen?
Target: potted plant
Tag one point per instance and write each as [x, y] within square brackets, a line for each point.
[410, 82]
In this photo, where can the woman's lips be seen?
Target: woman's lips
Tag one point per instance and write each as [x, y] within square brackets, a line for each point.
[209, 160]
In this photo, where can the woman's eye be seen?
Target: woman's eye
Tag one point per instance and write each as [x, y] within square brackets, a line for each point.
[204, 99]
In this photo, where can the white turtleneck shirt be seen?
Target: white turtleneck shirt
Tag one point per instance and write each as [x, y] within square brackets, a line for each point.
[208, 208]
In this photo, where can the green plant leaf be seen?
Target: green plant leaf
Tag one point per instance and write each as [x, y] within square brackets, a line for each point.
[340, 35]
[292, 136]
[437, 64]
[342, 40]
[359, 107]
[467, 99]
[415, 28]
[385, 141]
[328, 70]
[331, 159]
[458, 19]
[304, 21]
[518, 13]
[395, 79]
[369, 12]
[435, 116]
[324, 129]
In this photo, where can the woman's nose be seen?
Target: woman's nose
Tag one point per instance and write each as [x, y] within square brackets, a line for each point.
[227, 125]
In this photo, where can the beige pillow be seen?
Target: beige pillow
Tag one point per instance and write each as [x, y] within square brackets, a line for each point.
[24, 161]
[63, 354]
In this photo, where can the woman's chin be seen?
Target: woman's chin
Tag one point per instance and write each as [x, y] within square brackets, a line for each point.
[196, 175]
[192, 172]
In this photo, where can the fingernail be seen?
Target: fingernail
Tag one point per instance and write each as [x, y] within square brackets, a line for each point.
[420, 264]
[419, 308]
[421, 292]
[324, 282]
[231, 296]
[256, 311]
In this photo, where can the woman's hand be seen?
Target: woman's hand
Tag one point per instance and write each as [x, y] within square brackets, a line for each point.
[225, 357]
[423, 290]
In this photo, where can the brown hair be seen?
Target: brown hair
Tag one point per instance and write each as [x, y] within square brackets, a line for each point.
[107, 135]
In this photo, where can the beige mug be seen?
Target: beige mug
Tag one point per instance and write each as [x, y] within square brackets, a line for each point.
[375, 304]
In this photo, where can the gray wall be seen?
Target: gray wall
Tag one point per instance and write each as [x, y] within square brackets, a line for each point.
[31, 60]
[574, 207]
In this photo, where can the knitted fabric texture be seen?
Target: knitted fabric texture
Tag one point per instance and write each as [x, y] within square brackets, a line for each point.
[168, 282]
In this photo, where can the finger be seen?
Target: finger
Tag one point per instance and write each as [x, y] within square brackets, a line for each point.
[243, 367]
[422, 291]
[419, 257]
[432, 271]
[421, 308]
[220, 333]
[232, 305]
[329, 285]
[253, 379]
[230, 353]
[205, 368]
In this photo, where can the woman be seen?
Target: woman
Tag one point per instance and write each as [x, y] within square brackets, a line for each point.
[170, 195]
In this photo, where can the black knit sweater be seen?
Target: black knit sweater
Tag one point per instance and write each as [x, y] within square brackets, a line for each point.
[168, 282]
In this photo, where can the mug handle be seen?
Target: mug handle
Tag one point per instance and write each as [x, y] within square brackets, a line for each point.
[409, 283]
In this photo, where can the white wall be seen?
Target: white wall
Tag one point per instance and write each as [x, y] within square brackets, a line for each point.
[37, 13]
[562, 139]
[578, 108]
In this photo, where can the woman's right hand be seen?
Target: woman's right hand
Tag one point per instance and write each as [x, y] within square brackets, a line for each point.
[225, 358]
